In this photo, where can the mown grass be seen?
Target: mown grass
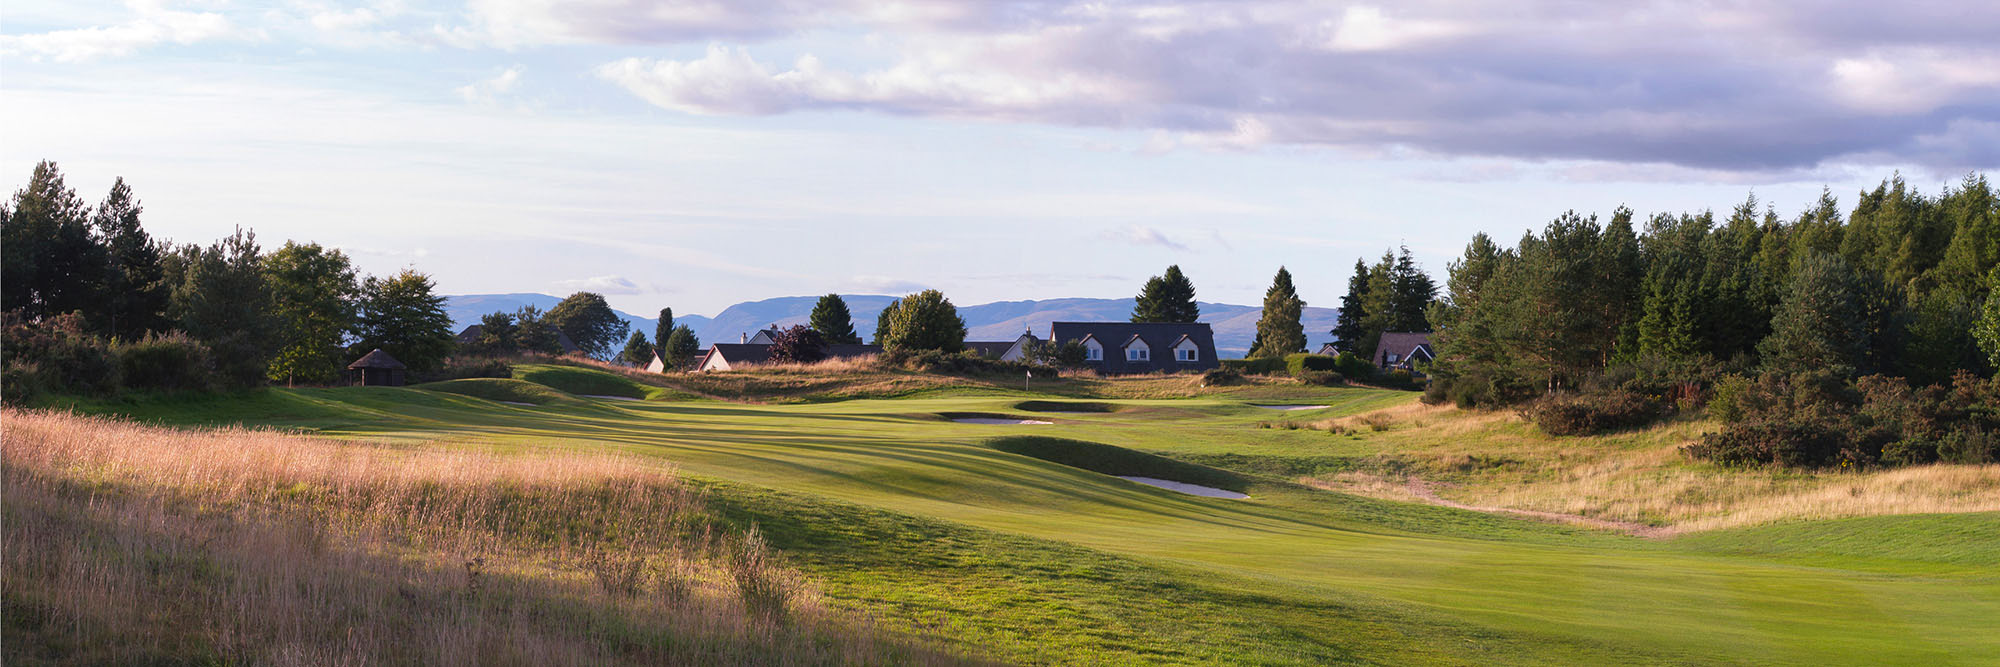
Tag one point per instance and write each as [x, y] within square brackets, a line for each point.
[922, 525]
[504, 390]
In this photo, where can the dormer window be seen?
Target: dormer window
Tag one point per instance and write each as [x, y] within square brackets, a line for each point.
[1093, 354]
[1138, 354]
[1185, 354]
[1392, 358]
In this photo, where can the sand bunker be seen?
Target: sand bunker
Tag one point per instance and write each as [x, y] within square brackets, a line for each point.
[516, 403]
[994, 420]
[610, 398]
[1291, 407]
[1184, 487]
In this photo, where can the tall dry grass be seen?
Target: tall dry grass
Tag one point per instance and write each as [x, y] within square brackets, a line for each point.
[1494, 460]
[135, 544]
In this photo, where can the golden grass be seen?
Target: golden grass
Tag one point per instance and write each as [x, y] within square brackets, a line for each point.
[127, 543]
[1496, 460]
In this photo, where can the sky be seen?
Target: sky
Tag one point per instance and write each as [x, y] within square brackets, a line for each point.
[698, 153]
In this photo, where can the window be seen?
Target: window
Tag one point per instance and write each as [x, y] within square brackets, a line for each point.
[1392, 357]
[1185, 354]
[1093, 354]
[1138, 354]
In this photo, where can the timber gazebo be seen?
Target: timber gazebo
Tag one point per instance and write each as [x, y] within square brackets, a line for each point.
[377, 369]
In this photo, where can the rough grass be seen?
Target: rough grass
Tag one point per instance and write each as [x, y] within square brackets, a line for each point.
[585, 381]
[128, 544]
[1118, 461]
[1495, 459]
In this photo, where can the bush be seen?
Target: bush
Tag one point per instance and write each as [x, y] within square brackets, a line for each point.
[1590, 414]
[1221, 377]
[1298, 364]
[170, 362]
[1353, 367]
[1910, 451]
[460, 368]
[1256, 365]
[58, 356]
[1969, 445]
[956, 363]
[1321, 378]
[1724, 403]
[1775, 443]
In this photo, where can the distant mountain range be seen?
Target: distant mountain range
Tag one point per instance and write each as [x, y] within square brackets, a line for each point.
[1235, 326]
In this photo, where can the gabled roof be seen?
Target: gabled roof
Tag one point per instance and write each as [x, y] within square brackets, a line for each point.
[375, 359]
[741, 353]
[1401, 344]
[1155, 335]
[988, 348]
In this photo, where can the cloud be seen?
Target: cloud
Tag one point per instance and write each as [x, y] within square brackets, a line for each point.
[152, 24]
[1139, 235]
[1764, 87]
[603, 285]
[486, 91]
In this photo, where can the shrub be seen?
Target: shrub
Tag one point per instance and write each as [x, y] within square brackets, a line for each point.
[1776, 443]
[1256, 365]
[460, 368]
[22, 383]
[1299, 364]
[956, 363]
[1321, 378]
[1969, 445]
[1910, 451]
[1724, 402]
[1590, 414]
[62, 357]
[798, 345]
[169, 362]
[1353, 367]
[1221, 377]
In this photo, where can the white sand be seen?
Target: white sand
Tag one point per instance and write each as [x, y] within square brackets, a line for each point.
[1183, 487]
[516, 403]
[989, 420]
[1291, 407]
[610, 398]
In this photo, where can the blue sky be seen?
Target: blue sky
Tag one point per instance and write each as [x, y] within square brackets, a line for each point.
[696, 154]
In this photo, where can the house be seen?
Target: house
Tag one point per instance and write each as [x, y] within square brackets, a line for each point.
[376, 369]
[1329, 350]
[726, 356]
[1018, 349]
[1403, 350]
[765, 337]
[471, 335]
[657, 363]
[1141, 347]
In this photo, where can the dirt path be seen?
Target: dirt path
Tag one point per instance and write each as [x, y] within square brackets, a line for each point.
[1427, 492]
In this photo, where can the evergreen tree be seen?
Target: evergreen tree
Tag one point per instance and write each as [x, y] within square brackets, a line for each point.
[534, 333]
[1167, 298]
[403, 315]
[223, 299]
[590, 323]
[637, 351]
[135, 296]
[313, 297]
[832, 320]
[498, 335]
[682, 346]
[1411, 292]
[50, 263]
[663, 329]
[1350, 328]
[1820, 324]
[924, 321]
[1279, 331]
[1987, 331]
[1619, 277]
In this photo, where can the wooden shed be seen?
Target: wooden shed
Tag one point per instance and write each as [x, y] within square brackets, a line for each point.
[377, 369]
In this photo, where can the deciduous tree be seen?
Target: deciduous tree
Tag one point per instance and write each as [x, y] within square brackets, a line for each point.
[314, 301]
[924, 321]
[404, 316]
[590, 323]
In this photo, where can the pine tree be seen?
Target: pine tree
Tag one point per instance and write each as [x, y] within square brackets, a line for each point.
[1167, 298]
[1987, 331]
[534, 333]
[224, 300]
[637, 351]
[135, 297]
[1279, 331]
[497, 335]
[664, 328]
[1411, 292]
[833, 321]
[1820, 324]
[50, 263]
[682, 346]
[1350, 329]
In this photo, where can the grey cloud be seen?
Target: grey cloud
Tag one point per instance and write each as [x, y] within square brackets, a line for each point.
[1762, 87]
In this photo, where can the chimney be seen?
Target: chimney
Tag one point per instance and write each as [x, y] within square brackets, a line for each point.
[743, 338]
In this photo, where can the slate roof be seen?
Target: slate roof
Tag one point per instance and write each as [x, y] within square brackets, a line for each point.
[1160, 337]
[989, 349]
[375, 359]
[1403, 344]
[740, 353]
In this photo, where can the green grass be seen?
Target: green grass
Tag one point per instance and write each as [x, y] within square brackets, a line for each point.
[589, 382]
[504, 390]
[928, 526]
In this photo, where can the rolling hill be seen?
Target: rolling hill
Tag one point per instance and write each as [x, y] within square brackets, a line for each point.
[1235, 326]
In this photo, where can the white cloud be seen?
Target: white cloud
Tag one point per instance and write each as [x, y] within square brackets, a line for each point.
[1912, 80]
[602, 285]
[152, 24]
[487, 91]
[1140, 235]
[1363, 28]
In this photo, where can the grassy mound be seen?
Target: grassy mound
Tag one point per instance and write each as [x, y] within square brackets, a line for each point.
[585, 381]
[1067, 406]
[1111, 460]
[497, 389]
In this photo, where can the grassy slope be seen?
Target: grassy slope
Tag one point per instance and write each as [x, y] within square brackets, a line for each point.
[916, 520]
